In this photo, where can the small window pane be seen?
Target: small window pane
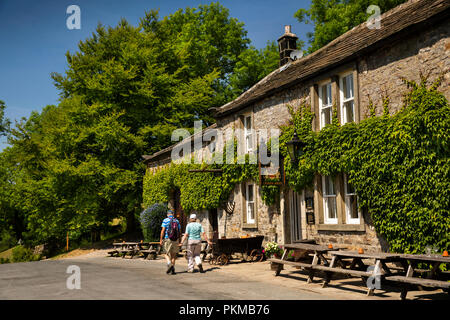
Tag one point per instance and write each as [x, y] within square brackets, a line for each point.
[331, 207]
[248, 140]
[329, 186]
[328, 86]
[250, 193]
[248, 123]
[348, 109]
[348, 87]
[352, 206]
[251, 212]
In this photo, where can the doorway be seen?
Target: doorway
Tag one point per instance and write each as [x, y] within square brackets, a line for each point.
[213, 220]
[179, 214]
[295, 209]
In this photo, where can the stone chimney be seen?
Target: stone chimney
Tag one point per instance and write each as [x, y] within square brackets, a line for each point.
[286, 44]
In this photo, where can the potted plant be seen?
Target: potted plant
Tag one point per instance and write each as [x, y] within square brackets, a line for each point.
[272, 250]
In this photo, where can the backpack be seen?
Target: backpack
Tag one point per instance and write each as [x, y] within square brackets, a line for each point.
[173, 232]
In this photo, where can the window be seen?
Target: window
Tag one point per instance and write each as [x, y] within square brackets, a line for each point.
[329, 200]
[351, 204]
[248, 134]
[325, 105]
[347, 99]
[250, 202]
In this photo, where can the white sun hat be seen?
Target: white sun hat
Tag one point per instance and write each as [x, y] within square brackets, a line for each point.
[193, 216]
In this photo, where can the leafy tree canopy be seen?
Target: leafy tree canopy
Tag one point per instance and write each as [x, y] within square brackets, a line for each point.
[4, 123]
[76, 166]
[332, 18]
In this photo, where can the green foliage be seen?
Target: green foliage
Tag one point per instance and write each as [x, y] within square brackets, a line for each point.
[151, 219]
[199, 190]
[7, 240]
[76, 166]
[253, 65]
[4, 123]
[22, 254]
[398, 164]
[332, 18]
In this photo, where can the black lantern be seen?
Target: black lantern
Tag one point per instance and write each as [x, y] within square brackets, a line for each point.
[295, 147]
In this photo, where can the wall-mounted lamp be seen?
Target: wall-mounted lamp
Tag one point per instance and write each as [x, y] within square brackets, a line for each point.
[295, 148]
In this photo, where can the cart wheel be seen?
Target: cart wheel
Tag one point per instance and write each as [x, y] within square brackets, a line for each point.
[212, 260]
[248, 257]
[256, 256]
[222, 259]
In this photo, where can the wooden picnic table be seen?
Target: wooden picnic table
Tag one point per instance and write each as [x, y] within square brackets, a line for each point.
[318, 257]
[351, 263]
[147, 249]
[434, 278]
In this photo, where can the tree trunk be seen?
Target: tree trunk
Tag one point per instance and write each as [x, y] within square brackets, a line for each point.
[131, 222]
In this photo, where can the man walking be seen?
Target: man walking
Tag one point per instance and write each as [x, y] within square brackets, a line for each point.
[194, 231]
[170, 234]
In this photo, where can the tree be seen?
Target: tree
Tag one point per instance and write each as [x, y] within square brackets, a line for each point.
[332, 18]
[4, 123]
[253, 65]
[77, 165]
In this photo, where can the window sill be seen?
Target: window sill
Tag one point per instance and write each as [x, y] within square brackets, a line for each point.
[249, 226]
[341, 227]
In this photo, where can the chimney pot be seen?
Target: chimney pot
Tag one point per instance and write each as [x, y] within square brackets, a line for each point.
[286, 44]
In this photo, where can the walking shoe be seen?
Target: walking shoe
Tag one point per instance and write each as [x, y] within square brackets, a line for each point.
[190, 270]
[173, 270]
[200, 267]
[169, 268]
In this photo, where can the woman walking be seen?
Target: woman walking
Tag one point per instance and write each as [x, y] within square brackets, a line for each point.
[194, 230]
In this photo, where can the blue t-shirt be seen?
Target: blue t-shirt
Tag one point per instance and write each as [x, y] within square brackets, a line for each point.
[166, 223]
[194, 229]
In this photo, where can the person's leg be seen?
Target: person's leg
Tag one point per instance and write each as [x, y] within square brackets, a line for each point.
[167, 256]
[174, 252]
[190, 256]
[196, 255]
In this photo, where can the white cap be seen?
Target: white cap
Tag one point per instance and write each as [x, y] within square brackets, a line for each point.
[193, 216]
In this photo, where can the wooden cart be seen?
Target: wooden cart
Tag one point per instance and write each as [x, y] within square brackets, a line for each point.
[222, 249]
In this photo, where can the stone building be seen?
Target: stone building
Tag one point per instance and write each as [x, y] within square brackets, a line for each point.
[364, 64]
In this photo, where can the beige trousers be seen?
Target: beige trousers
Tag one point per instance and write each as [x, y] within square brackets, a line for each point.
[193, 253]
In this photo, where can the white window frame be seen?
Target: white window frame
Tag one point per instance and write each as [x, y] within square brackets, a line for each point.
[349, 219]
[324, 107]
[326, 212]
[344, 119]
[248, 133]
[248, 202]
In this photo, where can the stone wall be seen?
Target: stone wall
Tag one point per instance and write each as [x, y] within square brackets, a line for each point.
[380, 72]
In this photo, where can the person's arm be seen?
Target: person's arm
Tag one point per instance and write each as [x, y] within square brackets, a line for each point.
[161, 237]
[186, 234]
[205, 236]
[184, 239]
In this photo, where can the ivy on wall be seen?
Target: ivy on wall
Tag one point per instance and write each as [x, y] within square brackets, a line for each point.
[199, 190]
[399, 166]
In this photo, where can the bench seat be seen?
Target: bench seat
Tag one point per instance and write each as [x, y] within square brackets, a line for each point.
[357, 273]
[420, 281]
[292, 263]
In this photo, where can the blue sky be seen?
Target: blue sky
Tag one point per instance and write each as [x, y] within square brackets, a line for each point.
[34, 38]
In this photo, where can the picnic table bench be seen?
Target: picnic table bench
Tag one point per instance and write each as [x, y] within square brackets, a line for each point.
[318, 257]
[434, 278]
[149, 250]
[351, 263]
